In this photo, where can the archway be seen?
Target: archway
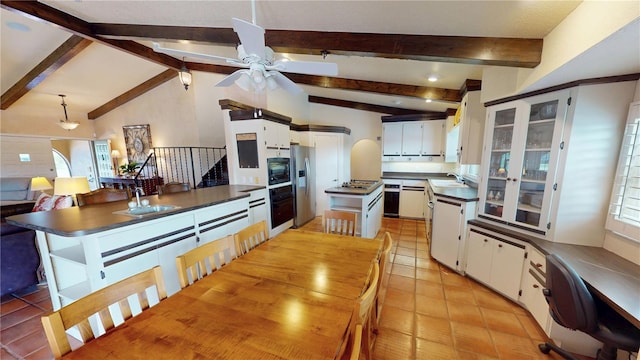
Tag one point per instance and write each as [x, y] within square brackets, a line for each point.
[366, 163]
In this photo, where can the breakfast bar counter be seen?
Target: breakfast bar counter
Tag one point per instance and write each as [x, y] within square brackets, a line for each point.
[84, 249]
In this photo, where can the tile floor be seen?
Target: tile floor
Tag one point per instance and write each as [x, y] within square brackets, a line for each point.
[428, 311]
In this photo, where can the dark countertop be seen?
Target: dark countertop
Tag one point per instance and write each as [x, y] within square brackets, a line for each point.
[352, 191]
[615, 279]
[468, 194]
[80, 221]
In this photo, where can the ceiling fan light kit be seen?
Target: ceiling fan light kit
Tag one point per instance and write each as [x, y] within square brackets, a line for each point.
[261, 70]
[66, 124]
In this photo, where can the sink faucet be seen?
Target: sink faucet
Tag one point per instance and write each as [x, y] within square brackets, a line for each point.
[458, 177]
[137, 191]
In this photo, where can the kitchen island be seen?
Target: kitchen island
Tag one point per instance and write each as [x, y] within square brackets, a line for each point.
[365, 199]
[84, 249]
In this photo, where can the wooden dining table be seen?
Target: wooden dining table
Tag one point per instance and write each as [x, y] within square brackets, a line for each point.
[289, 298]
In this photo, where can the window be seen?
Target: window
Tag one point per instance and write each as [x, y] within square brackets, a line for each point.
[63, 169]
[624, 211]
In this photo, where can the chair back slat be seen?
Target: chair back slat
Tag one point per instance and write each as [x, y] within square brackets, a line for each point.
[173, 187]
[339, 222]
[77, 313]
[192, 266]
[250, 237]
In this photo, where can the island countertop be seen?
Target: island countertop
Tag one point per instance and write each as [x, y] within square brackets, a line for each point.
[80, 221]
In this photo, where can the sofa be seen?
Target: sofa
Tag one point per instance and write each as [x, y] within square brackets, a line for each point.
[19, 257]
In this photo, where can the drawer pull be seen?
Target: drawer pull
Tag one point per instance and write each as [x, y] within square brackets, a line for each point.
[499, 245]
[485, 240]
[538, 265]
[535, 286]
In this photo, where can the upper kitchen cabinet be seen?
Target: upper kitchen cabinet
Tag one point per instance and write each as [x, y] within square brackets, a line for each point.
[276, 135]
[548, 160]
[413, 140]
[471, 129]
[392, 139]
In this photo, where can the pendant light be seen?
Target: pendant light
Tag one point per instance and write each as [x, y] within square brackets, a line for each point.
[66, 124]
[185, 76]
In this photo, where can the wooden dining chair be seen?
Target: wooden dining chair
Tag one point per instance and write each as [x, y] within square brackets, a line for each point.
[78, 312]
[203, 260]
[250, 237]
[339, 222]
[360, 332]
[173, 187]
[102, 195]
[383, 262]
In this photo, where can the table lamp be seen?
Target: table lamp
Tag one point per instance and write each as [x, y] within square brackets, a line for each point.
[115, 154]
[71, 186]
[40, 184]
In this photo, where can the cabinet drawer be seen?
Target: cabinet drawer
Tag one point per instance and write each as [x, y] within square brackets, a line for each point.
[537, 260]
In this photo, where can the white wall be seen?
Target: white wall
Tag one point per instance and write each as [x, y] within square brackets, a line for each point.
[39, 150]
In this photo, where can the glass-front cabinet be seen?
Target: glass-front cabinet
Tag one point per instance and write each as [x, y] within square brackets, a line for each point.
[523, 140]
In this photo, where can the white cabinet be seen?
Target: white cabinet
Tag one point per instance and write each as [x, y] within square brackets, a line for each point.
[413, 140]
[412, 199]
[545, 164]
[471, 129]
[276, 135]
[368, 209]
[392, 139]
[533, 281]
[496, 261]
[432, 138]
[449, 231]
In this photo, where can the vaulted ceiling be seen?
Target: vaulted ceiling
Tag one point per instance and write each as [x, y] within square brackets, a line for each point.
[98, 52]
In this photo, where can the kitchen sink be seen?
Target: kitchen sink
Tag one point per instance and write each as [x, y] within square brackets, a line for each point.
[448, 183]
[146, 210]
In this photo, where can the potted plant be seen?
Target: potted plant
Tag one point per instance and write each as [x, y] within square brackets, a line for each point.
[129, 168]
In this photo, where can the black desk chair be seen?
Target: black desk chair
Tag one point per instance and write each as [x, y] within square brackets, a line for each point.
[572, 306]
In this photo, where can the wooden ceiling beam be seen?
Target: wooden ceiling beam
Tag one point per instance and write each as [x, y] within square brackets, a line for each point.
[515, 52]
[364, 106]
[133, 93]
[46, 67]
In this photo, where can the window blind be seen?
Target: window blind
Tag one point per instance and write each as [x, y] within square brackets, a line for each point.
[624, 211]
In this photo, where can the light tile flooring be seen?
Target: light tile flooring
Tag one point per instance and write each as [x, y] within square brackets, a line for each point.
[428, 311]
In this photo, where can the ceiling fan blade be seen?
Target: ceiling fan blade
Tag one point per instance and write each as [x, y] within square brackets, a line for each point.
[251, 37]
[307, 67]
[286, 83]
[181, 53]
[230, 79]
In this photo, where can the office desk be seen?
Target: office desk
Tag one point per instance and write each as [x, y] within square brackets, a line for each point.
[290, 298]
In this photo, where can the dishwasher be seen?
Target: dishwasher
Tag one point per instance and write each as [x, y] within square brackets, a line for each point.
[391, 199]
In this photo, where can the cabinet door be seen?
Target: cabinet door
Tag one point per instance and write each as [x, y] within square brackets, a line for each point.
[276, 135]
[472, 122]
[506, 268]
[411, 138]
[502, 135]
[392, 139]
[479, 254]
[412, 202]
[446, 234]
[433, 133]
[532, 296]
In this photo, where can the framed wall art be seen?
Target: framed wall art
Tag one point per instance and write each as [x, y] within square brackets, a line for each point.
[138, 141]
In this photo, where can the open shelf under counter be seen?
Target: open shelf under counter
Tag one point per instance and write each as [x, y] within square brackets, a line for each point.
[347, 208]
[73, 254]
[74, 292]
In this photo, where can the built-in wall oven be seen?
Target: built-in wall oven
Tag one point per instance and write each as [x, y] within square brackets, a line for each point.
[278, 170]
[281, 205]
[391, 199]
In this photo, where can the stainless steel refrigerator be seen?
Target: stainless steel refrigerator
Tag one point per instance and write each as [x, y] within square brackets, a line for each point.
[304, 184]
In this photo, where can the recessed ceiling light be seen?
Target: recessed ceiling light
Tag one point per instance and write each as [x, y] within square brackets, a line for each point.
[428, 100]
[432, 78]
[18, 26]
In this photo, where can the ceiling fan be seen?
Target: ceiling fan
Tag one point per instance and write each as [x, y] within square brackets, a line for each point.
[261, 69]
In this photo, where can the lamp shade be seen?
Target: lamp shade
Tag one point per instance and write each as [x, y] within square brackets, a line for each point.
[115, 153]
[40, 183]
[71, 185]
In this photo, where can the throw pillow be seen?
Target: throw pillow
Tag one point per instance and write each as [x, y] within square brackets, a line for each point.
[61, 202]
[43, 203]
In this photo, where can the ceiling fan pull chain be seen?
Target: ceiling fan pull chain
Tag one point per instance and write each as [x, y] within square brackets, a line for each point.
[253, 11]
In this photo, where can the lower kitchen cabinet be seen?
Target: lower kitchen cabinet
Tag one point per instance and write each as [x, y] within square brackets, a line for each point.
[449, 228]
[496, 261]
[412, 199]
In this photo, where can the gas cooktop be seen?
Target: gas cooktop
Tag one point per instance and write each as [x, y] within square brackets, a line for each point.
[358, 184]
